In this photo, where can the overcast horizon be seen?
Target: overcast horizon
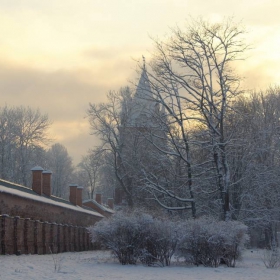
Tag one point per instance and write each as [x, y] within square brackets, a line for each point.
[60, 55]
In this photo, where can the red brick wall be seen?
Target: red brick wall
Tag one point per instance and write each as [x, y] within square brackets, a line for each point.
[20, 235]
[39, 238]
[28, 236]
[9, 243]
[36, 210]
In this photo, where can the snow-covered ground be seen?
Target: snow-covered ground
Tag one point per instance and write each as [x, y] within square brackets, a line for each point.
[100, 265]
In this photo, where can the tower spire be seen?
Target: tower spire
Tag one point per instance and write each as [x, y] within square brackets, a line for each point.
[144, 62]
[143, 89]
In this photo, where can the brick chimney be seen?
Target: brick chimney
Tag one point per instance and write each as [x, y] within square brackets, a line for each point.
[47, 188]
[110, 203]
[73, 194]
[37, 179]
[80, 196]
[98, 198]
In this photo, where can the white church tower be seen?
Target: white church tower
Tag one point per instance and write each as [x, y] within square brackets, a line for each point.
[141, 131]
[144, 108]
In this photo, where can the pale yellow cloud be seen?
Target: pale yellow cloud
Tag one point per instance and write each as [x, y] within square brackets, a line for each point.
[75, 135]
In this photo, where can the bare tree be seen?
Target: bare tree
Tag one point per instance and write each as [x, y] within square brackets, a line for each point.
[31, 132]
[107, 120]
[171, 183]
[193, 68]
[23, 135]
[60, 163]
[7, 143]
[255, 162]
[90, 167]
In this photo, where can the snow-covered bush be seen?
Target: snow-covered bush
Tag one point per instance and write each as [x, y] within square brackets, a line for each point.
[193, 245]
[208, 242]
[153, 241]
[235, 238]
[123, 234]
[133, 236]
[160, 242]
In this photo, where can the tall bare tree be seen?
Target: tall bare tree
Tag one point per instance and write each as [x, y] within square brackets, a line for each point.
[194, 69]
[23, 136]
[31, 132]
[255, 162]
[107, 120]
[60, 163]
[90, 167]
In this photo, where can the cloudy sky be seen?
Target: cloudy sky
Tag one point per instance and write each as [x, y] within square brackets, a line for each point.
[59, 55]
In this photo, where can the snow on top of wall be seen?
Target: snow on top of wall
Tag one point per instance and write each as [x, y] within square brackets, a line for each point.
[46, 200]
[102, 207]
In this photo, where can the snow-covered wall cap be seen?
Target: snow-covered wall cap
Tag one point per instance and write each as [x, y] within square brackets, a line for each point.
[79, 187]
[73, 185]
[47, 172]
[46, 200]
[37, 168]
[102, 207]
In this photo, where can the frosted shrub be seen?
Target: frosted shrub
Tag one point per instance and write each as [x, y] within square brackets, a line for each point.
[193, 245]
[206, 241]
[137, 236]
[160, 243]
[235, 237]
[123, 234]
